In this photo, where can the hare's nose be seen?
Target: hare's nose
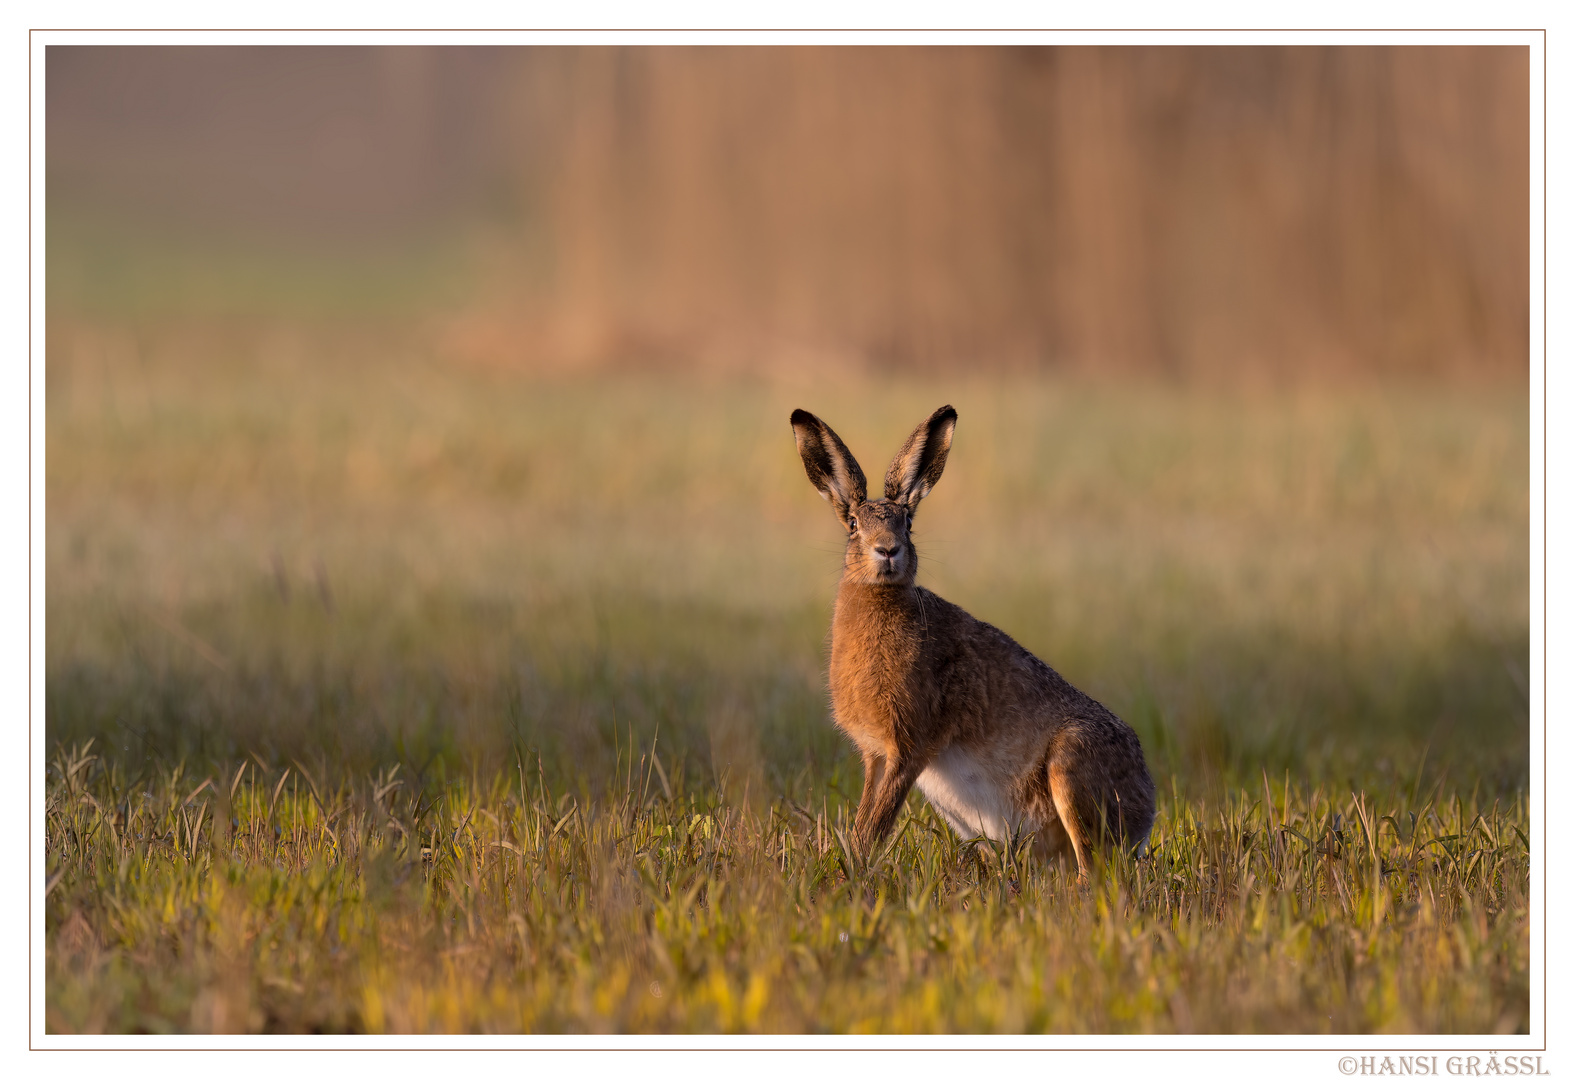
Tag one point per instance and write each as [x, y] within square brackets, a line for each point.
[886, 552]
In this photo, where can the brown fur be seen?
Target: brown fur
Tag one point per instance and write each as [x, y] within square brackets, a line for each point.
[927, 693]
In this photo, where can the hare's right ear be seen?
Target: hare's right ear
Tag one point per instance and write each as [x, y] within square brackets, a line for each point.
[831, 468]
[918, 464]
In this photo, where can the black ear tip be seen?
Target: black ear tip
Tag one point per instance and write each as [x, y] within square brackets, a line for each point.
[800, 416]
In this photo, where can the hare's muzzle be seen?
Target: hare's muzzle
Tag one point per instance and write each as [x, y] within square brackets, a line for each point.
[888, 561]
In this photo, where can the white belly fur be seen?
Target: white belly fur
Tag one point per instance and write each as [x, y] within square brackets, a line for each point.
[965, 794]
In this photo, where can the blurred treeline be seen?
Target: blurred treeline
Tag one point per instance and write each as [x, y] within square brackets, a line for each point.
[1190, 211]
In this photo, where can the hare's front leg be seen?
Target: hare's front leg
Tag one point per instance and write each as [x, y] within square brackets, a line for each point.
[887, 782]
[874, 771]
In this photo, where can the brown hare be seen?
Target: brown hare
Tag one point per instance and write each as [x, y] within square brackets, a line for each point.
[997, 741]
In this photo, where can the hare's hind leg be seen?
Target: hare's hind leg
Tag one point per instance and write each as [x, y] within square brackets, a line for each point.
[1063, 793]
[1101, 788]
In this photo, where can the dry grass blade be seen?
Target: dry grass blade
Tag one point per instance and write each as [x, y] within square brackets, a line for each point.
[273, 800]
[172, 625]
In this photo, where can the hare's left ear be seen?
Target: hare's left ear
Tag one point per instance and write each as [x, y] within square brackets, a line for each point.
[833, 471]
[918, 464]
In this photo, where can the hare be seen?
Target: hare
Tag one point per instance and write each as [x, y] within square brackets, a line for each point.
[998, 742]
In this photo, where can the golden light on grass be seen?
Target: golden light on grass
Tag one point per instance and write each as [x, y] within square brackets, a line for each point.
[500, 904]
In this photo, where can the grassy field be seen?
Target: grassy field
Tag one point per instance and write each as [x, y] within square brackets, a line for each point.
[389, 695]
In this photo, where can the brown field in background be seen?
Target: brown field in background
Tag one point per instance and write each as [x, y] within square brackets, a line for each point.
[1215, 211]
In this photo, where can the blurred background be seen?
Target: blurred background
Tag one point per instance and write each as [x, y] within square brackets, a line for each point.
[429, 404]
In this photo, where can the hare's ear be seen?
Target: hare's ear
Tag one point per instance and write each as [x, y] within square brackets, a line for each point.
[831, 468]
[918, 464]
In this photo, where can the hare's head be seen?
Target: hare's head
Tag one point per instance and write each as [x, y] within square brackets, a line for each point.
[880, 547]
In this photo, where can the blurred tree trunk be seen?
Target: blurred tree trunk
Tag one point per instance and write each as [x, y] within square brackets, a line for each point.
[1176, 209]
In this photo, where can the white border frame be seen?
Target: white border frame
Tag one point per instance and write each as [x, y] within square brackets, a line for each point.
[1317, 1055]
